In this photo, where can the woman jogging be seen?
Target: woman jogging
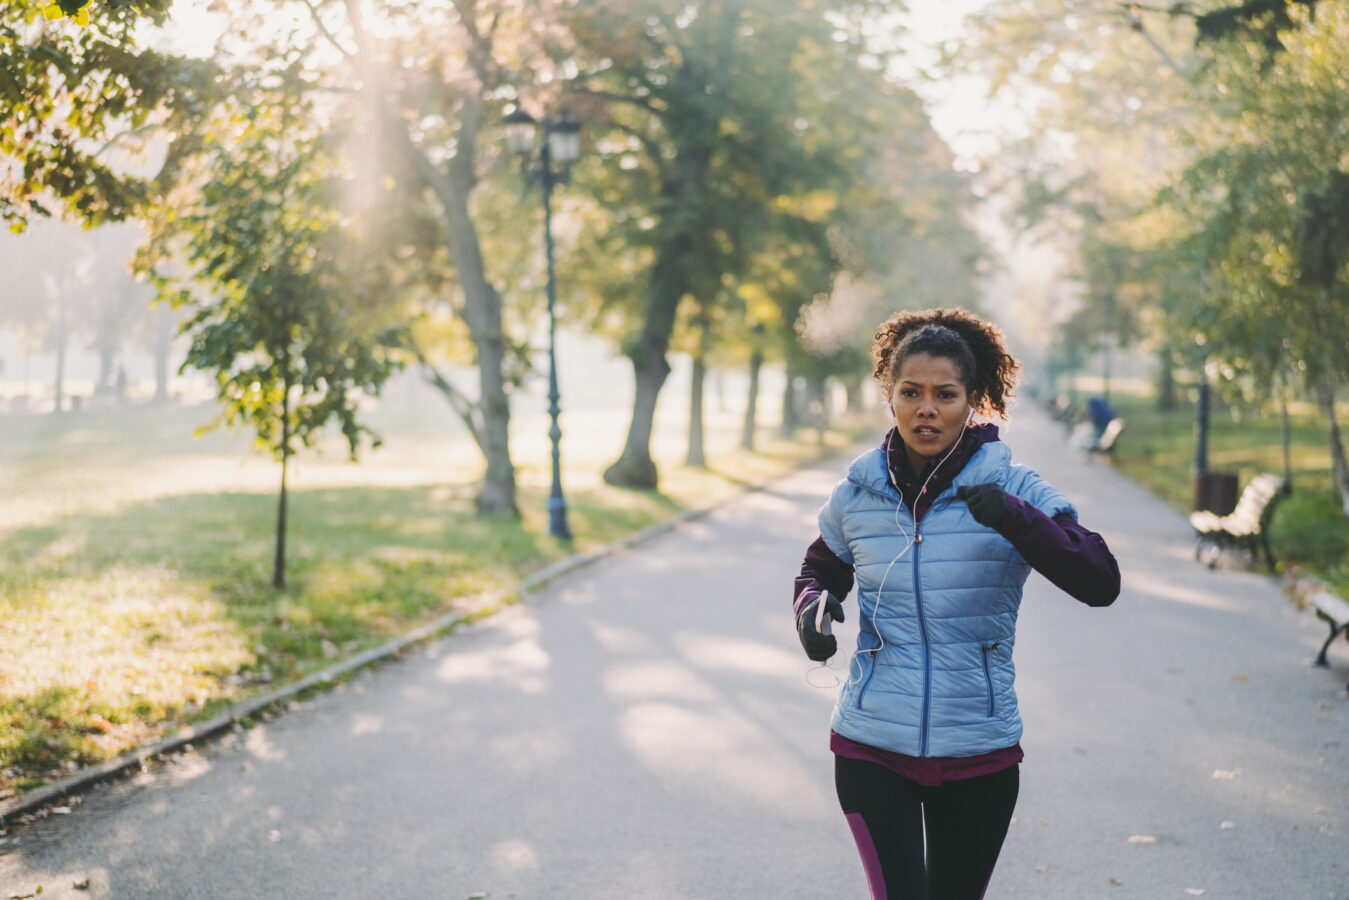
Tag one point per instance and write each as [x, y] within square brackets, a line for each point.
[939, 529]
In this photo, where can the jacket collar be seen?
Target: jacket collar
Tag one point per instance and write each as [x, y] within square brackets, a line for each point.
[879, 469]
[938, 474]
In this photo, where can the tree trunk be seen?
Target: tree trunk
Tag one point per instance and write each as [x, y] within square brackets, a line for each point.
[752, 401]
[163, 346]
[852, 391]
[667, 287]
[1285, 432]
[452, 182]
[482, 307]
[697, 455]
[1339, 465]
[1166, 378]
[817, 393]
[279, 561]
[1201, 424]
[790, 419]
[107, 354]
[635, 467]
[497, 497]
[62, 339]
[1107, 335]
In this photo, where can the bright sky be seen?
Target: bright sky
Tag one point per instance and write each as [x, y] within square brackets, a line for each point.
[960, 111]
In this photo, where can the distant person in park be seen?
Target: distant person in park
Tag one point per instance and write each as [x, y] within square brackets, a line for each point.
[1100, 412]
[939, 530]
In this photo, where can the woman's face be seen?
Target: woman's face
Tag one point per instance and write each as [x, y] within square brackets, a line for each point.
[931, 406]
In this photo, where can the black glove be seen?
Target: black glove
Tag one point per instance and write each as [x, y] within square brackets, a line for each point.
[819, 647]
[987, 503]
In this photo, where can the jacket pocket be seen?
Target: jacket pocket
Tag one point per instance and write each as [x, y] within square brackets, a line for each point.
[866, 663]
[988, 676]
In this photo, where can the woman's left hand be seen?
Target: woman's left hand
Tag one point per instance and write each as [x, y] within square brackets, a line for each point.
[987, 503]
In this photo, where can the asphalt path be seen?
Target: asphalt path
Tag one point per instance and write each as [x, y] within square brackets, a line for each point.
[647, 728]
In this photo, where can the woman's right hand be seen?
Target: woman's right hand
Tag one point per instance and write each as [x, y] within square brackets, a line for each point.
[819, 645]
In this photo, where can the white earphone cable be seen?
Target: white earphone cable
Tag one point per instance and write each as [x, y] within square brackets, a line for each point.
[908, 544]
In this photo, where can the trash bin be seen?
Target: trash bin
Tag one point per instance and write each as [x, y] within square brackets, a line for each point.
[1216, 492]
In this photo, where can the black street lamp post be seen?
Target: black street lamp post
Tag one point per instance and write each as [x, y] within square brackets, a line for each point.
[561, 144]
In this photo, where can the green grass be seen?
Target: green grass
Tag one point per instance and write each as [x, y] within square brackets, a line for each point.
[135, 564]
[1309, 528]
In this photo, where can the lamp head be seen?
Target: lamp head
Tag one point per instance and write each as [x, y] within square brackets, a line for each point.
[564, 139]
[520, 127]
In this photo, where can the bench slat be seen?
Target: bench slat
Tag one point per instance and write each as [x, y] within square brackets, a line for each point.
[1247, 524]
[1334, 606]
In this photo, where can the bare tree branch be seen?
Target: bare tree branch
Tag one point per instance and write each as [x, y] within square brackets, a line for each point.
[653, 149]
[358, 27]
[618, 98]
[324, 30]
[466, 409]
[1137, 25]
[116, 138]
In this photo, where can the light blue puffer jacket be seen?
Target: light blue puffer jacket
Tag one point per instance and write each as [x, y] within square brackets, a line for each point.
[933, 673]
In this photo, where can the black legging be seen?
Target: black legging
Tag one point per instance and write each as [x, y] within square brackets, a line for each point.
[966, 822]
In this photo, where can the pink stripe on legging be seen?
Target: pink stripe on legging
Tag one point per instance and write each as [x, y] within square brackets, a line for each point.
[871, 863]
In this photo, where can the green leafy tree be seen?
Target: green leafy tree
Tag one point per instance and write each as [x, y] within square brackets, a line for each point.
[705, 128]
[900, 232]
[281, 288]
[79, 97]
[1265, 204]
[1108, 90]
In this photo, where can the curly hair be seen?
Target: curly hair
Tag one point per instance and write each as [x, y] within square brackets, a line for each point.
[977, 348]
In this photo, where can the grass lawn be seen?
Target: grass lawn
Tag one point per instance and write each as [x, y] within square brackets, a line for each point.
[1309, 527]
[136, 560]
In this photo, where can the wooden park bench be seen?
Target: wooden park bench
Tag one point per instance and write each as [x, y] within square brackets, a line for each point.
[1246, 527]
[1334, 611]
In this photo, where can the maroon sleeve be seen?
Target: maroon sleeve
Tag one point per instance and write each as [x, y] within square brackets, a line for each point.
[821, 571]
[1073, 559]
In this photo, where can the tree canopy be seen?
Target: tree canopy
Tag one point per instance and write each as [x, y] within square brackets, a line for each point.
[80, 100]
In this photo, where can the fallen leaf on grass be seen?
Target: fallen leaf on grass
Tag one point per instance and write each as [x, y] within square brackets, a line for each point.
[1142, 839]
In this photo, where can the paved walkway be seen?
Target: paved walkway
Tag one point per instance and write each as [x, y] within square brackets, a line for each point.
[644, 729]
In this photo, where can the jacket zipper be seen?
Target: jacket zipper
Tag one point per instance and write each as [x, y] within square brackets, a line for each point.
[927, 648]
[988, 675]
